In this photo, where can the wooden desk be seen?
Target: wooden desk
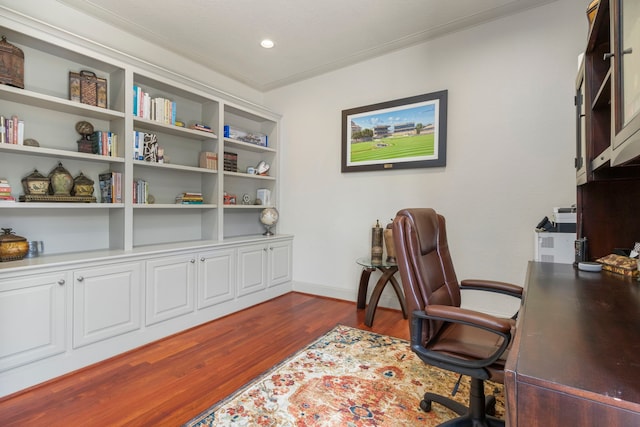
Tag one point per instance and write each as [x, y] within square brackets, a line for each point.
[575, 359]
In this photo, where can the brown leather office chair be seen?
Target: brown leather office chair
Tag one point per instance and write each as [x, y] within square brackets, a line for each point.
[442, 333]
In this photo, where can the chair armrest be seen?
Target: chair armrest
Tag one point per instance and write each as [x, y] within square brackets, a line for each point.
[492, 286]
[474, 368]
[468, 317]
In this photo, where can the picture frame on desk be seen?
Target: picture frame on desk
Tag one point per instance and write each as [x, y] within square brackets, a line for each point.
[400, 134]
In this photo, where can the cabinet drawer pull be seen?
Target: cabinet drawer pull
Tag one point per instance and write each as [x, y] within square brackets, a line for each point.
[607, 55]
[80, 278]
[192, 260]
[202, 259]
[61, 282]
[627, 51]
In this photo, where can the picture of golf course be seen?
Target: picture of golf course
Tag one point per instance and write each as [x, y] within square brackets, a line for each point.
[405, 133]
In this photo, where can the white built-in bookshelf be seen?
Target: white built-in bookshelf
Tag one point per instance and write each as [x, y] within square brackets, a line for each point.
[50, 117]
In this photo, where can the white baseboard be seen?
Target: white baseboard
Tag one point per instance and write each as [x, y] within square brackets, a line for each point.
[493, 304]
[388, 298]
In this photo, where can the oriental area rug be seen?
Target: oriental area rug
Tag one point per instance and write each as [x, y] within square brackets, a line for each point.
[348, 377]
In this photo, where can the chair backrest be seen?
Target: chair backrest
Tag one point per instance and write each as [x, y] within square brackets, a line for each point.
[424, 262]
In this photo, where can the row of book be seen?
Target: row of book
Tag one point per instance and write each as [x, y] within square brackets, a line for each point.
[105, 143]
[11, 130]
[5, 191]
[140, 192]
[158, 109]
[188, 198]
[110, 187]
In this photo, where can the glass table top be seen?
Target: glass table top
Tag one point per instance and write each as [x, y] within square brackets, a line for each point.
[366, 262]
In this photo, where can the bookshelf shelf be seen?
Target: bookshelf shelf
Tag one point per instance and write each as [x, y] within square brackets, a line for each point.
[56, 153]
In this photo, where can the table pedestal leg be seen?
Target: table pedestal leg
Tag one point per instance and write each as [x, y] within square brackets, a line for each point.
[400, 295]
[387, 274]
[364, 285]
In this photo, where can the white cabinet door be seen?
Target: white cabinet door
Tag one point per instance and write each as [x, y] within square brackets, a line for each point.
[170, 287]
[280, 259]
[216, 277]
[32, 313]
[106, 302]
[252, 263]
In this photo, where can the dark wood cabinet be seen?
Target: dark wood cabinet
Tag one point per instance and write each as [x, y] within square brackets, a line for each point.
[608, 130]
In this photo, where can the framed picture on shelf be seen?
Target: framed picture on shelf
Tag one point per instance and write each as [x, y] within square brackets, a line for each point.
[400, 134]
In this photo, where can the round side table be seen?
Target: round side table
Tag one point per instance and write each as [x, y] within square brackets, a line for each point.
[388, 269]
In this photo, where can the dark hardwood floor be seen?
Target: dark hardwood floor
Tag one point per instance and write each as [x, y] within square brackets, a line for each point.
[168, 382]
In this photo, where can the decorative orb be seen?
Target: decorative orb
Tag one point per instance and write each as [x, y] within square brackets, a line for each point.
[84, 128]
[269, 218]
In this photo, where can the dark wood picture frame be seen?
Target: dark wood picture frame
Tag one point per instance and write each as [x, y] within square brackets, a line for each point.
[404, 133]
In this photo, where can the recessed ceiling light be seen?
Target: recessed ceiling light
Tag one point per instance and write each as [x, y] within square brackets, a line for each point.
[267, 44]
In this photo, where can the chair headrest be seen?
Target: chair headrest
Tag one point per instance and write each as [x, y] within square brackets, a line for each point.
[424, 222]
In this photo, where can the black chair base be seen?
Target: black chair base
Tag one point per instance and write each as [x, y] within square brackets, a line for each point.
[479, 413]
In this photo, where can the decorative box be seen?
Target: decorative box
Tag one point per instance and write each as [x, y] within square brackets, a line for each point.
[230, 162]
[620, 264]
[82, 186]
[244, 136]
[35, 183]
[87, 88]
[11, 64]
[85, 146]
[12, 247]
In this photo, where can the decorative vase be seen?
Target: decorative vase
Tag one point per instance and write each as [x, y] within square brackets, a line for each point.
[376, 244]
[388, 242]
[61, 181]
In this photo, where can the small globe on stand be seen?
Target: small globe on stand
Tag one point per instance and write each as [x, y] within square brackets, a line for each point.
[269, 218]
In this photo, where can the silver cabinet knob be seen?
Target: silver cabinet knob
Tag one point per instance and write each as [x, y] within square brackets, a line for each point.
[61, 282]
[80, 278]
[192, 260]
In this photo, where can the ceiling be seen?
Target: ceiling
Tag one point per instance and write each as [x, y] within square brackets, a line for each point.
[311, 36]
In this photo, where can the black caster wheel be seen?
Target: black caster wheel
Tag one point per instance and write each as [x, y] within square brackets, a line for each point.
[425, 405]
[490, 406]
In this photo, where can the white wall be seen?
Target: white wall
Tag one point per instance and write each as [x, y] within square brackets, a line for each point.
[510, 148]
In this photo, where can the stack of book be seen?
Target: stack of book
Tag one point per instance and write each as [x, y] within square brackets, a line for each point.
[11, 130]
[110, 187]
[5, 191]
[201, 127]
[189, 199]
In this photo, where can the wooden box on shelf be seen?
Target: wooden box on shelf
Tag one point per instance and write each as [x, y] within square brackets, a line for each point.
[87, 88]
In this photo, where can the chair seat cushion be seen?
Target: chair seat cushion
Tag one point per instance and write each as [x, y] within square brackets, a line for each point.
[470, 343]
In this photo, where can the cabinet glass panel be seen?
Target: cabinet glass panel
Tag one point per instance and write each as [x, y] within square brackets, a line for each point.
[630, 46]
